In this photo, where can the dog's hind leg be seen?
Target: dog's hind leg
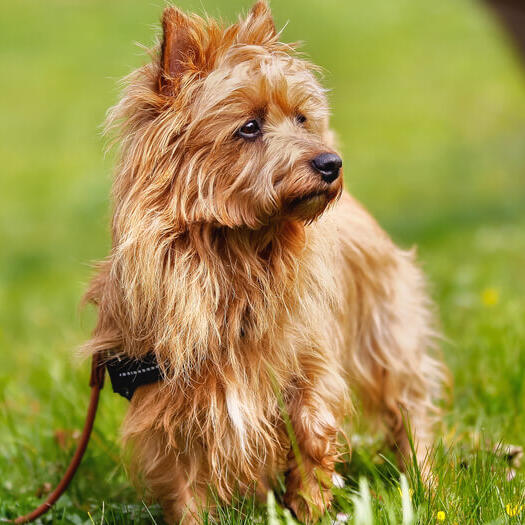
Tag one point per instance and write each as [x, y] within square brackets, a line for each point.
[392, 363]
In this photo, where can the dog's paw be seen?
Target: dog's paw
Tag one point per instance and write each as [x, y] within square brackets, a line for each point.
[310, 501]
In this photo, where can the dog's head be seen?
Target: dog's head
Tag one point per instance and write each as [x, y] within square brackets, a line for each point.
[228, 126]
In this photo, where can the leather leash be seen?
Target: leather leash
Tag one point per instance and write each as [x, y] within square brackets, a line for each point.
[96, 382]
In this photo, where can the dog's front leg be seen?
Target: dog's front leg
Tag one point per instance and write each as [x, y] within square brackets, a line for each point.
[313, 450]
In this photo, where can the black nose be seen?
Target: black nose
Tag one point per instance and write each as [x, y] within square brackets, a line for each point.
[328, 165]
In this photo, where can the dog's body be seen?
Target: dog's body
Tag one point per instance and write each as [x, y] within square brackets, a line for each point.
[265, 298]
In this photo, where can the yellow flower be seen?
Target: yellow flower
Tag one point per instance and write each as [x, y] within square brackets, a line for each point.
[513, 510]
[490, 296]
[441, 516]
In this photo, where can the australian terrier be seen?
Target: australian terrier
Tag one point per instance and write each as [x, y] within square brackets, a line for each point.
[268, 295]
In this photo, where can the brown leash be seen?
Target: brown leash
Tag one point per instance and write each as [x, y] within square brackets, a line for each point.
[96, 382]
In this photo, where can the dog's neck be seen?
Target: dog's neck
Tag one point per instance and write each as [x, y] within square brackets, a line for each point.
[199, 296]
[228, 247]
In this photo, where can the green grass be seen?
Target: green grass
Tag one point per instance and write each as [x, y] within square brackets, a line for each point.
[429, 103]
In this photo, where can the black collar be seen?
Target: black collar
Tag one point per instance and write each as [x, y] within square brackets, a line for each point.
[127, 374]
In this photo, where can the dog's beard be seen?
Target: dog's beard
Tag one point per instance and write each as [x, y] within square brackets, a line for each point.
[309, 206]
[314, 200]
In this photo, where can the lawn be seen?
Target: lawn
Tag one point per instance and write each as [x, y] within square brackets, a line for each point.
[429, 103]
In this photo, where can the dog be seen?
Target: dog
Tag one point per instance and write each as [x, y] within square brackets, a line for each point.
[267, 294]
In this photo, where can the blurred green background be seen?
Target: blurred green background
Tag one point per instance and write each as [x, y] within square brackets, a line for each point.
[428, 101]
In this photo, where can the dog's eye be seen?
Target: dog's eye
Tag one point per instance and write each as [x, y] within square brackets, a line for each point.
[250, 130]
[301, 119]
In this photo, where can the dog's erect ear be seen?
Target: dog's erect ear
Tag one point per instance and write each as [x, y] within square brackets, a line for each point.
[261, 8]
[258, 27]
[180, 49]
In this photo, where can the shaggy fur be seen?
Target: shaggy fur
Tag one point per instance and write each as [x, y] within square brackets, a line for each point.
[262, 289]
